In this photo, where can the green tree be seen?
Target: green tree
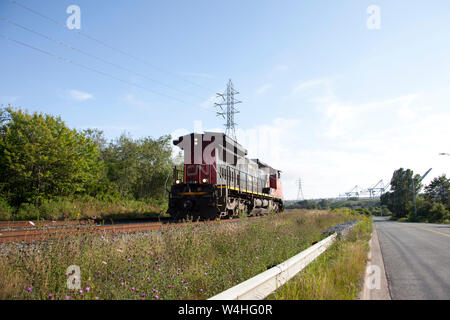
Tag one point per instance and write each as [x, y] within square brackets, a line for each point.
[401, 192]
[323, 204]
[438, 213]
[155, 164]
[138, 168]
[40, 157]
[96, 136]
[439, 191]
[121, 161]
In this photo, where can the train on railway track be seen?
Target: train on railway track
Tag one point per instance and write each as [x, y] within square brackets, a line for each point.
[217, 180]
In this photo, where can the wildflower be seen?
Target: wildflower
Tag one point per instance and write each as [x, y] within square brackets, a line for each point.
[148, 278]
[29, 289]
[155, 290]
[96, 298]
[132, 289]
[122, 284]
[104, 262]
[87, 289]
[156, 297]
[50, 295]
[205, 274]
[68, 297]
[81, 291]
[143, 295]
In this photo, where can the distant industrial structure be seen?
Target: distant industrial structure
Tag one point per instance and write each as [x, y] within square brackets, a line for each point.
[376, 191]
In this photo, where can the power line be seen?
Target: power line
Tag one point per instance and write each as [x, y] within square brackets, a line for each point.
[107, 45]
[61, 43]
[90, 69]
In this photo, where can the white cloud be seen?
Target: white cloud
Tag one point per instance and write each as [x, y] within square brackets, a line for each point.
[133, 101]
[346, 119]
[263, 89]
[281, 68]
[80, 95]
[307, 84]
[209, 103]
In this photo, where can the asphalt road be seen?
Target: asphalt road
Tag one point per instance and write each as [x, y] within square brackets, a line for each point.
[416, 259]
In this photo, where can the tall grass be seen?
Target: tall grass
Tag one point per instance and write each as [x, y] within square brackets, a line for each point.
[337, 274]
[193, 262]
[83, 208]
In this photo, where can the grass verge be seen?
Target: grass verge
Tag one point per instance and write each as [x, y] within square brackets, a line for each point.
[194, 262]
[335, 275]
[84, 208]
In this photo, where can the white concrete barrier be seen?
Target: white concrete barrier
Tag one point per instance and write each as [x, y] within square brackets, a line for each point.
[260, 286]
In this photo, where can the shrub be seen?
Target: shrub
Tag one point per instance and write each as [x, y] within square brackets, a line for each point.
[438, 213]
[58, 209]
[27, 211]
[5, 209]
[344, 211]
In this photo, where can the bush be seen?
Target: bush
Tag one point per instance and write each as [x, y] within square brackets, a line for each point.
[438, 213]
[58, 209]
[5, 210]
[27, 211]
[344, 211]
[363, 211]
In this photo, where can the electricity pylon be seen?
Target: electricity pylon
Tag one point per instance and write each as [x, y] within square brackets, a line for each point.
[300, 190]
[228, 101]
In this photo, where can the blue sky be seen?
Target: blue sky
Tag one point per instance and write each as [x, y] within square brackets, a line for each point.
[324, 98]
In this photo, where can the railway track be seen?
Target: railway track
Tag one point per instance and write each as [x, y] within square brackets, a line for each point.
[23, 231]
[37, 224]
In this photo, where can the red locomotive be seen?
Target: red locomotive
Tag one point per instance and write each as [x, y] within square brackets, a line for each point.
[217, 180]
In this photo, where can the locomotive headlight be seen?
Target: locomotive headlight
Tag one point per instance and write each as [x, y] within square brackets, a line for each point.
[178, 181]
[205, 180]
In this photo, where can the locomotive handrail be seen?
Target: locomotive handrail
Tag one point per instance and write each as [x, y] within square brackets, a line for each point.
[165, 186]
[238, 181]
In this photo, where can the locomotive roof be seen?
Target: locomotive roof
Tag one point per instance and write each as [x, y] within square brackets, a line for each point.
[232, 141]
[264, 165]
[177, 141]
